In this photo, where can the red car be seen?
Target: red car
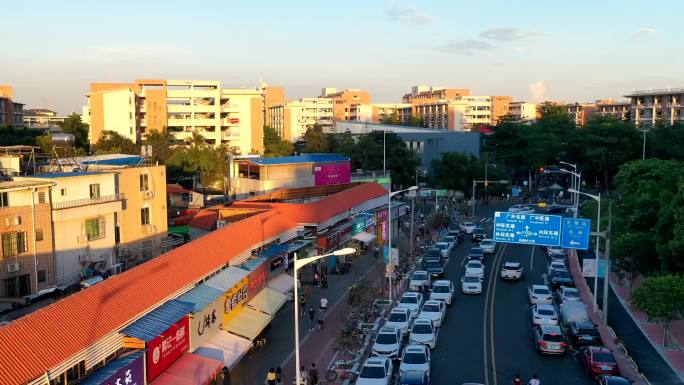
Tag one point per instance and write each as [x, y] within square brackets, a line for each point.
[599, 361]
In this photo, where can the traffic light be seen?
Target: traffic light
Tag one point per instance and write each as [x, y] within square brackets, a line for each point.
[541, 170]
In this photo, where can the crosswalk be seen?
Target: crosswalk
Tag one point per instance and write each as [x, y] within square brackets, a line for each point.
[489, 219]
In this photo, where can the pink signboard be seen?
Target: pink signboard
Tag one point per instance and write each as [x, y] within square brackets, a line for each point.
[163, 350]
[333, 173]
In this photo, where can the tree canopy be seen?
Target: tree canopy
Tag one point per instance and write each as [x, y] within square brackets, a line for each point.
[201, 159]
[158, 145]
[274, 145]
[111, 142]
[661, 299]
[316, 140]
[73, 125]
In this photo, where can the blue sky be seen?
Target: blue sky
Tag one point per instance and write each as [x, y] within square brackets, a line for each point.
[560, 50]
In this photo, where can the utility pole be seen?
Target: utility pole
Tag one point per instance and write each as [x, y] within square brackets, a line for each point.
[606, 274]
[413, 202]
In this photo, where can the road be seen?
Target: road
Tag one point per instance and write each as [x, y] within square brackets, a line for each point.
[487, 338]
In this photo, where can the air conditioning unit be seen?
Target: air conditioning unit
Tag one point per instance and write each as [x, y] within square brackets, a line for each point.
[149, 194]
[82, 238]
[12, 221]
[151, 229]
[13, 267]
[83, 258]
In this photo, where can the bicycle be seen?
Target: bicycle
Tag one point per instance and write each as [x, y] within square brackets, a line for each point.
[339, 370]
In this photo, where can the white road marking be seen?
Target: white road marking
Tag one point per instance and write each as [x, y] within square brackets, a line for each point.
[532, 259]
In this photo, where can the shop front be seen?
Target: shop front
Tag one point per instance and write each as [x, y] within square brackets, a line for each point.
[363, 232]
[336, 238]
[381, 227]
[277, 256]
[128, 370]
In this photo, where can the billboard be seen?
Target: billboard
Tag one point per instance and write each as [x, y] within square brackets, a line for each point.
[332, 173]
[205, 323]
[166, 348]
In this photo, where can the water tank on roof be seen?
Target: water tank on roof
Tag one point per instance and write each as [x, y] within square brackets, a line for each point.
[63, 138]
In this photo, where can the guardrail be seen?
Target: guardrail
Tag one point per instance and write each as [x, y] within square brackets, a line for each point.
[87, 201]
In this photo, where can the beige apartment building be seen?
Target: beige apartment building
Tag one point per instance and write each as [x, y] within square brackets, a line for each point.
[230, 116]
[292, 119]
[345, 100]
[43, 119]
[616, 109]
[26, 257]
[429, 94]
[523, 112]
[650, 106]
[11, 112]
[581, 113]
[377, 112]
[462, 114]
[500, 108]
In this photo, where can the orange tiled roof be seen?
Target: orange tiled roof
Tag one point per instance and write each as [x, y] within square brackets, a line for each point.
[43, 339]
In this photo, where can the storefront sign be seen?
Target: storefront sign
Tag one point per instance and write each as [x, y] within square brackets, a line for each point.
[381, 216]
[234, 120]
[205, 323]
[166, 348]
[334, 173]
[235, 298]
[257, 280]
[277, 262]
[359, 226]
[370, 221]
[131, 374]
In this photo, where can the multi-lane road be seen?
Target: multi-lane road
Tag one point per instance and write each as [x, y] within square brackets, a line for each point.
[487, 338]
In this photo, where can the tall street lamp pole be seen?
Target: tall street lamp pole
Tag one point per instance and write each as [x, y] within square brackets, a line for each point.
[484, 182]
[390, 194]
[298, 264]
[643, 147]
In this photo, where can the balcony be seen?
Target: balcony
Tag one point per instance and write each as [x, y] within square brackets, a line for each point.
[87, 202]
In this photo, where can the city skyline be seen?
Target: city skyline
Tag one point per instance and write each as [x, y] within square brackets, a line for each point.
[383, 47]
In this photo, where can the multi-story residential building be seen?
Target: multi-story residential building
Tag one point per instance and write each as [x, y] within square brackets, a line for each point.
[344, 101]
[500, 108]
[292, 119]
[651, 106]
[271, 96]
[26, 259]
[523, 112]
[377, 112]
[42, 119]
[460, 115]
[581, 113]
[428, 94]
[232, 117]
[11, 112]
[616, 109]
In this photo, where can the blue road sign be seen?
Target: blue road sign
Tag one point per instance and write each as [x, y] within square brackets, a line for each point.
[576, 233]
[528, 229]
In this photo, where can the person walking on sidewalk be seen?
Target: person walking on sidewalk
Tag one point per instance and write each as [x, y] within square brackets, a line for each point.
[312, 318]
[279, 375]
[313, 375]
[324, 303]
[302, 305]
[321, 318]
[317, 278]
[303, 375]
[517, 380]
[534, 380]
[270, 377]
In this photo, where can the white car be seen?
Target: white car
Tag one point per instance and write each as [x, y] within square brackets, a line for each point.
[375, 371]
[415, 357]
[544, 314]
[400, 318]
[443, 290]
[555, 264]
[568, 294]
[387, 342]
[451, 240]
[467, 227]
[474, 267]
[471, 284]
[521, 209]
[512, 270]
[555, 252]
[420, 279]
[434, 310]
[423, 332]
[412, 301]
[539, 294]
[488, 246]
[445, 248]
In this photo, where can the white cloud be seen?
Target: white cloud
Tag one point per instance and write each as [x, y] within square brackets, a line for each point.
[537, 90]
[409, 15]
[508, 34]
[466, 47]
[643, 31]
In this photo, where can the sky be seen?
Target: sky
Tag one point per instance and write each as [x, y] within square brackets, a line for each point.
[533, 51]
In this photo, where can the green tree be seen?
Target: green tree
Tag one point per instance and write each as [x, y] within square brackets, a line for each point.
[665, 141]
[393, 119]
[400, 161]
[112, 142]
[74, 126]
[274, 145]
[416, 121]
[12, 136]
[203, 160]
[456, 171]
[661, 299]
[158, 145]
[316, 140]
[45, 144]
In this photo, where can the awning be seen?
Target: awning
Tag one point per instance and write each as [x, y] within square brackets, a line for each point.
[283, 283]
[190, 369]
[227, 278]
[364, 237]
[158, 320]
[268, 301]
[106, 373]
[201, 296]
[181, 230]
[273, 251]
[252, 264]
[248, 323]
[226, 347]
[297, 245]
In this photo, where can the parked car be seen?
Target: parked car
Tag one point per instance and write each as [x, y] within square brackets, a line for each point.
[554, 252]
[478, 234]
[598, 360]
[475, 267]
[471, 284]
[412, 301]
[553, 265]
[443, 290]
[400, 318]
[560, 278]
[612, 380]
[434, 310]
[539, 294]
[584, 333]
[433, 252]
[376, 371]
[521, 209]
[488, 246]
[549, 339]
[414, 377]
[415, 358]
[567, 294]
[423, 332]
[435, 268]
[467, 227]
[420, 279]
[387, 342]
[476, 253]
[512, 271]
[573, 311]
[544, 314]
[451, 240]
[444, 248]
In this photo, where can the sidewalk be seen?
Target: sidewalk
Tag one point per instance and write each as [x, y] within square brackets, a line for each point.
[673, 353]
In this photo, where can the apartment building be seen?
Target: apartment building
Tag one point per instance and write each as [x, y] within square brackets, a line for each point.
[500, 108]
[292, 119]
[271, 96]
[230, 116]
[11, 112]
[650, 106]
[461, 114]
[523, 112]
[581, 113]
[26, 259]
[42, 119]
[429, 94]
[378, 112]
[616, 109]
[344, 101]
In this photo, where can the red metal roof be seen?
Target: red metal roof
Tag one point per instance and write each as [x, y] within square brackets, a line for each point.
[175, 188]
[43, 339]
[204, 219]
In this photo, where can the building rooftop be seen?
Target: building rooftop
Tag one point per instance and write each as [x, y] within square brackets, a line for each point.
[55, 175]
[656, 91]
[304, 158]
[19, 184]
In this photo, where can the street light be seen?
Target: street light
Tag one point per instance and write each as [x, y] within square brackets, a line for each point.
[390, 194]
[643, 148]
[298, 264]
[485, 182]
[598, 229]
[576, 180]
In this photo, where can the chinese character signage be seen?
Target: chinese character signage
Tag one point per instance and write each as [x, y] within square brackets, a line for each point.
[131, 374]
[234, 299]
[531, 229]
[257, 280]
[205, 323]
[166, 348]
[359, 226]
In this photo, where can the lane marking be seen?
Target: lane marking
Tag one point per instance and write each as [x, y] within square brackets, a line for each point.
[490, 283]
[491, 319]
[532, 259]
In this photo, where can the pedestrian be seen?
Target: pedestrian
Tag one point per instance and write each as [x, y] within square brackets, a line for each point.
[313, 374]
[279, 375]
[270, 377]
[324, 303]
[317, 278]
[534, 380]
[517, 380]
[321, 318]
[376, 251]
[324, 280]
[312, 318]
[303, 376]
[302, 305]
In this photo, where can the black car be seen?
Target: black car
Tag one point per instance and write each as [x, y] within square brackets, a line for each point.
[476, 253]
[583, 333]
[478, 234]
[435, 268]
[560, 278]
[433, 252]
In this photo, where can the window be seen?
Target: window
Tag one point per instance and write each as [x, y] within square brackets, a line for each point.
[144, 182]
[62, 192]
[39, 235]
[94, 191]
[145, 216]
[95, 228]
[42, 276]
[14, 243]
[4, 199]
[41, 197]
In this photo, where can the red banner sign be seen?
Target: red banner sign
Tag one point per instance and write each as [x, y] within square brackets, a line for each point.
[166, 348]
[257, 280]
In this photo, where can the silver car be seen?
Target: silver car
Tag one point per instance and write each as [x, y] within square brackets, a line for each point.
[539, 294]
[488, 246]
[544, 314]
